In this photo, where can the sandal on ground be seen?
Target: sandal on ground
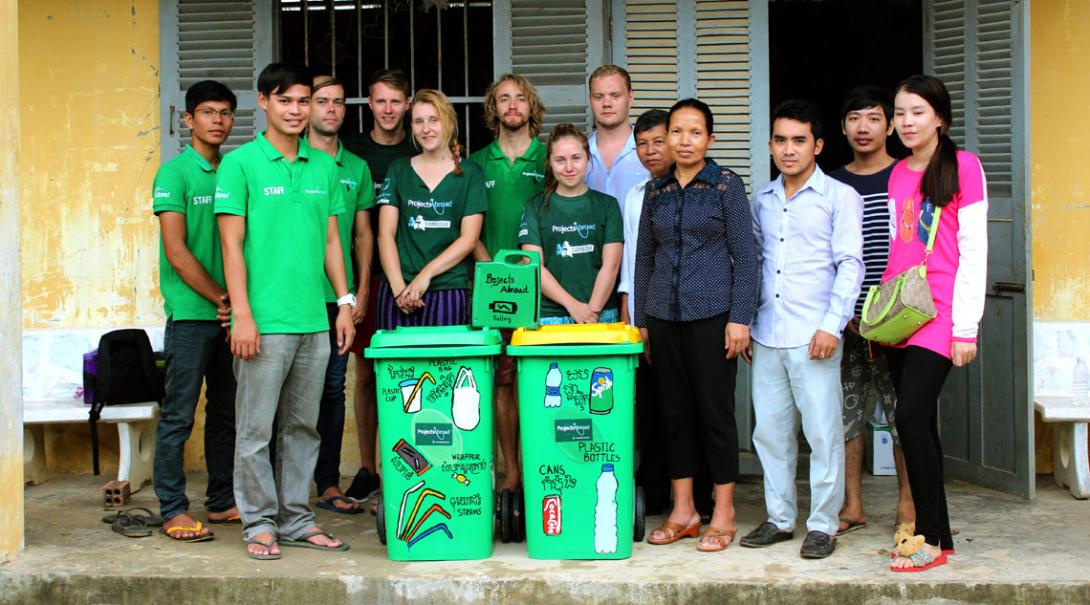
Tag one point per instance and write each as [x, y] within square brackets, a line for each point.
[149, 518]
[189, 539]
[304, 541]
[723, 538]
[675, 532]
[852, 526]
[921, 561]
[234, 519]
[268, 556]
[328, 504]
[131, 527]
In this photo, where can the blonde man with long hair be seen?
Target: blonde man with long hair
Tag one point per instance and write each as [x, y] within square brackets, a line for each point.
[430, 214]
[514, 170]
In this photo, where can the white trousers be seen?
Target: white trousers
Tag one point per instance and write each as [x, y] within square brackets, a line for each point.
[789, 386]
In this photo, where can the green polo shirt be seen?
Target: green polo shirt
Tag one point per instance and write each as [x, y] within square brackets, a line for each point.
[287, 206]
[359, 195]
[187, 185]
[572, 231]
[509, 185]
[430, 221]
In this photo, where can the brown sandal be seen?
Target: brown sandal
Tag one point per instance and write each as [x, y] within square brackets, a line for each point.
[718, 535]
[677, 532]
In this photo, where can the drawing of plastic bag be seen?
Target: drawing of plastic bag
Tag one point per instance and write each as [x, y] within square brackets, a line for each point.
[465, 407]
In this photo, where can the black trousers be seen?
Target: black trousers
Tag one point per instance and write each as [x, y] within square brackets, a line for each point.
[918, 375]
[651, 475]
[696, 396]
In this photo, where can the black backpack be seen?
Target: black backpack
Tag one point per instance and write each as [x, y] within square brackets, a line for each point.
[126, 373]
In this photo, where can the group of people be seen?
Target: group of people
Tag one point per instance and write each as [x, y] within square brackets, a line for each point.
[270, 280]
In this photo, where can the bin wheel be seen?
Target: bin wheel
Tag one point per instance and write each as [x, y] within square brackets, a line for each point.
[640, 515]
[507, 522]
[518, 513]
[380, 517]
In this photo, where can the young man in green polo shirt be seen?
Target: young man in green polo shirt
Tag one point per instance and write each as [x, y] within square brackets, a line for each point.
[514, 170]
[195, 299]
[277, 201]
[354, 225]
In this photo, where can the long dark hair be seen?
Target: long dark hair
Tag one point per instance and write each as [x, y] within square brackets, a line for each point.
[940, 179]
[559, 131]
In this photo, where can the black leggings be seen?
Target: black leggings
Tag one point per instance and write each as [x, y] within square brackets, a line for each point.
[696, 396]
[918, 375]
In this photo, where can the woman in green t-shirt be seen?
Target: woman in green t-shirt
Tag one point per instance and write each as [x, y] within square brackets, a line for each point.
[579, 234]
[430, 215]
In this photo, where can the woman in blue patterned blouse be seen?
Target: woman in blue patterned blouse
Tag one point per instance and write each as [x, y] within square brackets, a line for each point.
[696, 293]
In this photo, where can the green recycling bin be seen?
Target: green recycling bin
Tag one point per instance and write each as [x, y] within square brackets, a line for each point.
[507, 290]
[434, 389]
[576, 387]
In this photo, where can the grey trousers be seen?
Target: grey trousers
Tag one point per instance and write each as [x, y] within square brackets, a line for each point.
[284, 382]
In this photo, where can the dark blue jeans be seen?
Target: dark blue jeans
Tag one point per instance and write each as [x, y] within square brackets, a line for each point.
[327, 473]
[196, 352]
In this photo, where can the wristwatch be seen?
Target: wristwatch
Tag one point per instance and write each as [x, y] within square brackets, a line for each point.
[347, 299]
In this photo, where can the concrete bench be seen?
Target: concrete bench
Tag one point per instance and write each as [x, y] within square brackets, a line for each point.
[136, 425]
[1070, 463]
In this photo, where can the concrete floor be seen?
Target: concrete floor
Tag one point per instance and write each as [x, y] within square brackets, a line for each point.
[1009, 551]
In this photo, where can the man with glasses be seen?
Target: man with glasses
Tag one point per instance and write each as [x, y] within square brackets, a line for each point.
[195, 303]
[354, 226]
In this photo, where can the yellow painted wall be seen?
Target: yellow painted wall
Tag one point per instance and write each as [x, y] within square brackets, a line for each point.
[1059, 88]
[11, 430]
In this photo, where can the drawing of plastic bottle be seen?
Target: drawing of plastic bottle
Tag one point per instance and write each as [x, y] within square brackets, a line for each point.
[1081, 383]
[605, 512]
[552, 386]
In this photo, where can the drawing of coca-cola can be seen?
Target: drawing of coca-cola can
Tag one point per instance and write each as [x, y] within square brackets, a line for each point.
[550, 515]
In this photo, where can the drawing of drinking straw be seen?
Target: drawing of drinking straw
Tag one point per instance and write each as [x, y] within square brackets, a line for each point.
[416, 508]
[411, 394]
[404, 501]
[431, 530]
[435, 508]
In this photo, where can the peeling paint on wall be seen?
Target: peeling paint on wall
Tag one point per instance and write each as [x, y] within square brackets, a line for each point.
[1061, 183]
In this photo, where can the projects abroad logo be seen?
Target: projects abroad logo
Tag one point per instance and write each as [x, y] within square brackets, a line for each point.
[349, 184]
[434, 434]
[439, 208]
[566, 250]
[575, 429]
[419, 224]
[161, 193]
[581, 230]
[537, 176]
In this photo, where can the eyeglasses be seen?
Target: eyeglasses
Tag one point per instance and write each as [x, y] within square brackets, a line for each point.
[322, 102]
[206, 113]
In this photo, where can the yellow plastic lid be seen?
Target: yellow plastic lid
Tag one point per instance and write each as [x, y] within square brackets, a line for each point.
[599, 334]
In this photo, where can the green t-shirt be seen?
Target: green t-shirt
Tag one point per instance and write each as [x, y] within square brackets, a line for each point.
[287, 206]
[359, 196]
[572, 232]
[187, 185]
[509, 185]
[430, 221]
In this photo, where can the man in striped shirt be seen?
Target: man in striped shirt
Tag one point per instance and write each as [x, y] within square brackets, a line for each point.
[865, 120]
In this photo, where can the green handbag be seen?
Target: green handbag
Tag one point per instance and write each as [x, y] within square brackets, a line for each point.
[900, 306]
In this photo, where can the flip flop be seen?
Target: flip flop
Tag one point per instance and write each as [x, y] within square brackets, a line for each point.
[718, 535]
[680, 531]
[940, 560]
[265, 557]
[327, 504]
[303, 542]
[852, 526]
[131, 527]
[196, 528]
[234, 519]
[149, 518]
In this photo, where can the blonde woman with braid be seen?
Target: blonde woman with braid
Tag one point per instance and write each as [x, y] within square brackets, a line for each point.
[430, 214]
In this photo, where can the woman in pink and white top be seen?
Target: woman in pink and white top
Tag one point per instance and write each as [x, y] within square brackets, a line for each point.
[936, 175]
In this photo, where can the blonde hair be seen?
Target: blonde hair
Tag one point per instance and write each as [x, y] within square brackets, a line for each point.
[607, 70]
[537, 108]
[321, 82]
[447, 117]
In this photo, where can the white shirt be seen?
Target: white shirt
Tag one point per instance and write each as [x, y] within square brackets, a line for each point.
[631, 208]
[626, 172]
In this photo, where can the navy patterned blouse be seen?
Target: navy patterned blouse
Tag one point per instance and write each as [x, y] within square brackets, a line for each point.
[696, 256]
